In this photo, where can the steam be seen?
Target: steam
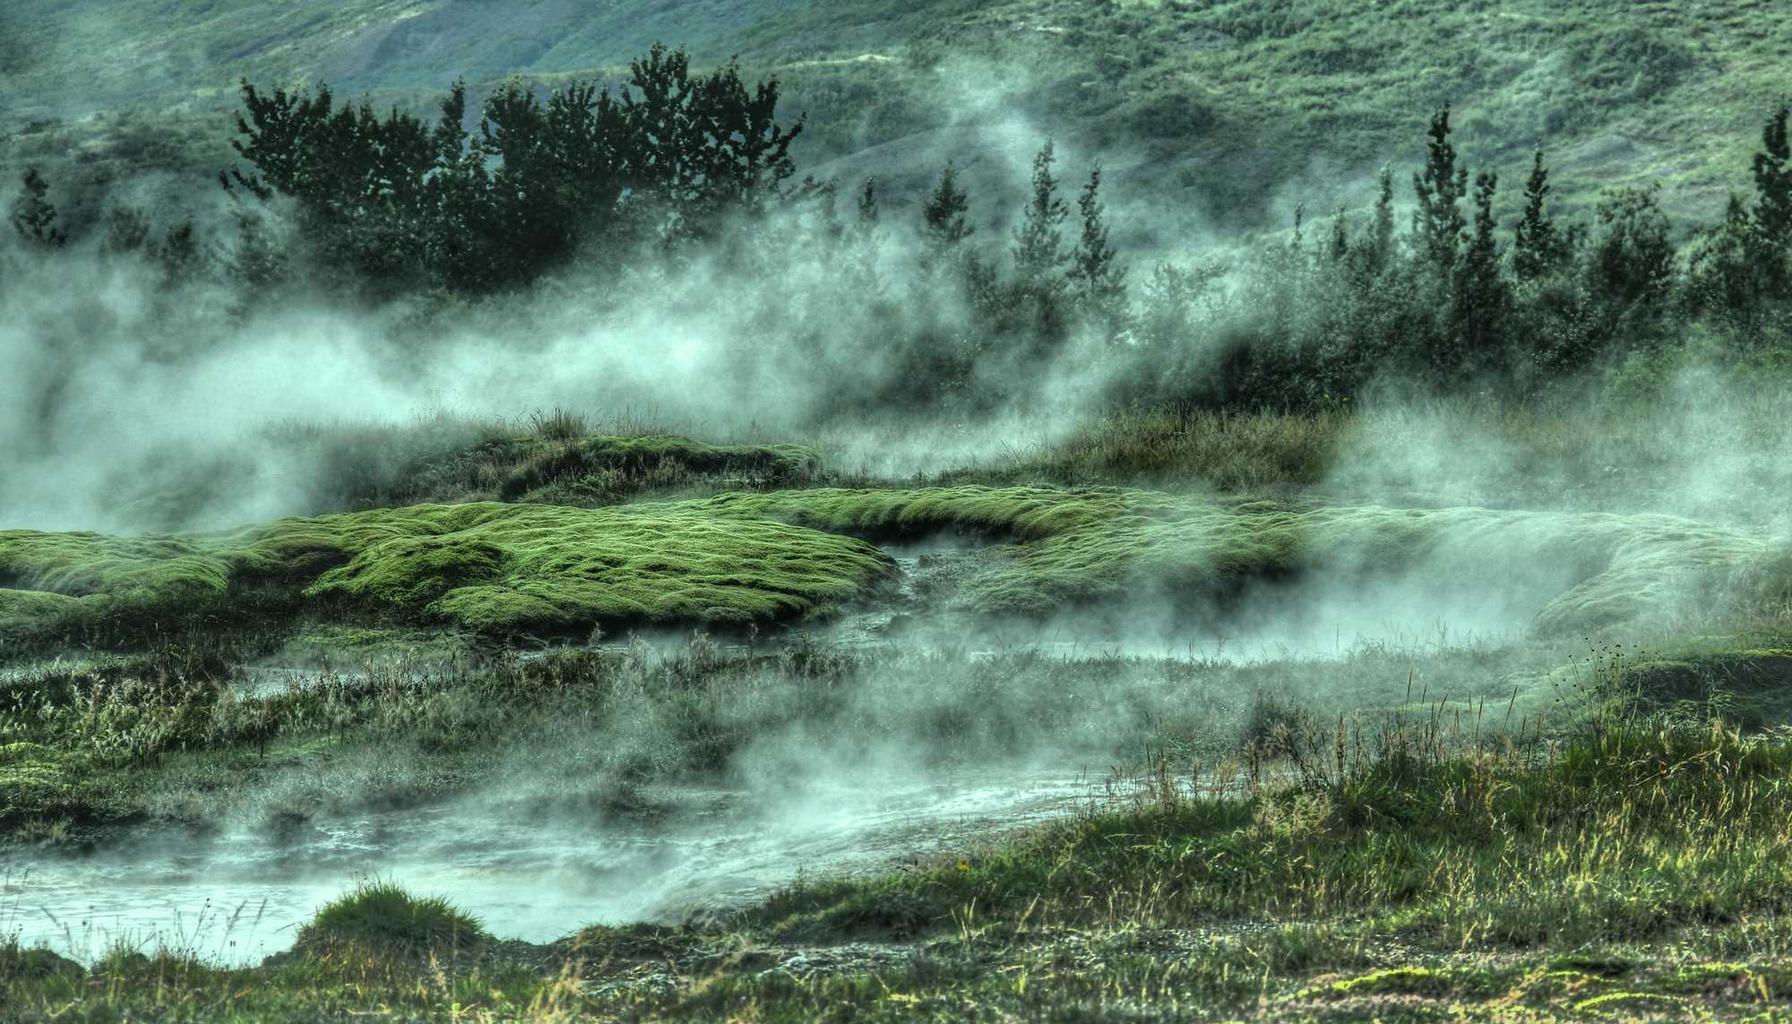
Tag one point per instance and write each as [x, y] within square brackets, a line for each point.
[910, 750]
[123, 398]
[116, 381]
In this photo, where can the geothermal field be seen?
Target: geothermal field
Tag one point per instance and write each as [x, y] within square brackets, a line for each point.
[1086, 511]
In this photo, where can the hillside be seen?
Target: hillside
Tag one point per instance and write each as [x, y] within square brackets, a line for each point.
[1232, 111]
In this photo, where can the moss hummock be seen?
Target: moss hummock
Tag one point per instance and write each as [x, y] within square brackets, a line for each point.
[742, 558]
[382, 918]
[1081, 546]
[505, 568]
[486, 567]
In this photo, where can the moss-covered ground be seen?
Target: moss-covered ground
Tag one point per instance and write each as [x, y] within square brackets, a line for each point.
[484, 567]
[1076, 547]
[740, 558]
[1514, 832]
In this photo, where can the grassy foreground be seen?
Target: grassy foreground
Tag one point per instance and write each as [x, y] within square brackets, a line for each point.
[1640, 868]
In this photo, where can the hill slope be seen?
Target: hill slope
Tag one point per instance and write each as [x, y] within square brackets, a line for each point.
[1221, 108]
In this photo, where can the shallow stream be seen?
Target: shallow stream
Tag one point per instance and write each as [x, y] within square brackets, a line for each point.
[237, 896]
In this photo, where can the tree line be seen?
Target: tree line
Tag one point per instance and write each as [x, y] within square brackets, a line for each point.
[679, 160]
[1457, 301]
[407, 202]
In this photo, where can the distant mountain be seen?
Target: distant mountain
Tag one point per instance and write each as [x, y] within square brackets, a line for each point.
[1225, 112]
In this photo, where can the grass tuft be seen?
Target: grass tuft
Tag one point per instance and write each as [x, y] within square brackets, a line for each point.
[383, 918]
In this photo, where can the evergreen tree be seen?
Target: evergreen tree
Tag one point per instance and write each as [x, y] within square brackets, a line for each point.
[702, 142]
[556, 176]
[864, 237]
[465, 233]
[1726, 272]
[1480, 298]
[868, 214]
[945, 214]
[1100, 280]
[360, 181]
[259, 260]
[1537, 248]
[1437, 223]
[127, 231]
[1039, 253]
[32, 215]
[1631, 266]
[179, 253]
[1372, 254]
[1773, 202]
[1337, 248]
[394, 197]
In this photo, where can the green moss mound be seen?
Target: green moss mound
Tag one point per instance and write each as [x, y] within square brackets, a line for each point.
[382, 918]
[80, 564]
[1751, 687]
[1081, 546]
[86, 587]
[741, 558]
[503, 568]
[487, 567]
[1023, 513]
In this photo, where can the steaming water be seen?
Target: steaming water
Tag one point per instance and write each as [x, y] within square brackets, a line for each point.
[238, 896]
[1422, 611]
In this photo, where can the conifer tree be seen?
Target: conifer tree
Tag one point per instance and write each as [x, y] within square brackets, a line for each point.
[1338, 248]
[394, 196]
[862, 237]
[1372, 254]
[1631, 265]
[1725, 268]
[1536, 245]
[1099, 279]
[127, 231]
[868, 213]
[1437, 223]
[945, 214]
[1038, 244]
[1480, 299]
[179, 253]
[1773, 202]
[33, 217]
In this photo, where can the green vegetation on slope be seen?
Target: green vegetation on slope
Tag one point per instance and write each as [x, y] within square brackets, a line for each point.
[1085, 546]
[507, 568]
[560, 464]
[1195, 92]
[760, 557]
[486, 567]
